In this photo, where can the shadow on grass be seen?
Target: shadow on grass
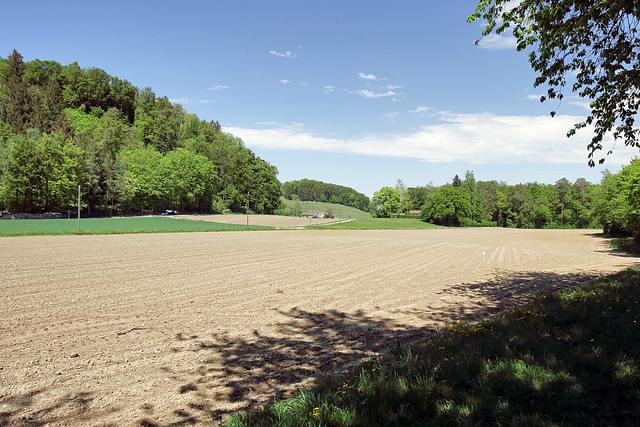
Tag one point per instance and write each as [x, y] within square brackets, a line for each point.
[568, 358]
[621, 246]
[251, 372]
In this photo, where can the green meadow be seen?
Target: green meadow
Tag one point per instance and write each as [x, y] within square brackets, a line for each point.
[155, 224]
[382, 224]
[296, 207]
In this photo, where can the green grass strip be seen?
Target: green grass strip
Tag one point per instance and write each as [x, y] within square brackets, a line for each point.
[626, 245]
[25, 227]
[381, 224]
[570, 358]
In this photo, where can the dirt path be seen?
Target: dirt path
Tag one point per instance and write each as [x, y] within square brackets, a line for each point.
[171, 328]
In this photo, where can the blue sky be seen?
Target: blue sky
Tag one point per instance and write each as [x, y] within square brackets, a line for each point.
[356, 93]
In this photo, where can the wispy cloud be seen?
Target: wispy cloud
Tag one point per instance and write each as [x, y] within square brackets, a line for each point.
[471, 138]
[218, 87]
[286, 54]
[330, 89]
[498, 42]
[575, 101]
[420, 109]
[582, 104]
[189, 101]
[367, 76]
[289, 82]
[366, 93]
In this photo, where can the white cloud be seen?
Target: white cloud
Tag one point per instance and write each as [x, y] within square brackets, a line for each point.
[330, 88]
[218, 87]
[422, 109]
[575, 101]
[367, 76]
[498, 42]
[392, 114]
[285, 81]
[471, 138]
[287, 54]
[189, 101]
[365, 93]
[304, 84]
[582, 104]
[393, 87]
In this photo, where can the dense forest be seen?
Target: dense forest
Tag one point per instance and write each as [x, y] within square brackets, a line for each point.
[317, 191]
[130, 150]
[613, 204]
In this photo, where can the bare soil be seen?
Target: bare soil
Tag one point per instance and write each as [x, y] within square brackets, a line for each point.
[165, 329]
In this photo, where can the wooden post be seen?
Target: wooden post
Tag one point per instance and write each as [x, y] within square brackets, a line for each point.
[78, 208]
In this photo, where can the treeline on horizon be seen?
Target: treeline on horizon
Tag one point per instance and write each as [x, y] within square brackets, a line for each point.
[133, 151]
[318, 191]
[493, 203]
[613, 204]
[130, 150]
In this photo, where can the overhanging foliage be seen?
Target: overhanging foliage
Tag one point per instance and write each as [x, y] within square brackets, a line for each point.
[593, 47]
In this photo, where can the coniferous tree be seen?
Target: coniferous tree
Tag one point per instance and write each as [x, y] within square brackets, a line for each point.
[15, 108]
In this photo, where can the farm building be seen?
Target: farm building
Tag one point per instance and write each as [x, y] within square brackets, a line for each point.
[314, 214]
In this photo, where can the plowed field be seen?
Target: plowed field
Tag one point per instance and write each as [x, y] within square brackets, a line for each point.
[155, 329]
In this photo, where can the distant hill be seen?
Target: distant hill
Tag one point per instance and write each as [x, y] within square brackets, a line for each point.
[318, 191]
[296, 207]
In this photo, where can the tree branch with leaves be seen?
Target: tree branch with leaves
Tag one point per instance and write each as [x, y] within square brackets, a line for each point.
[591, 46]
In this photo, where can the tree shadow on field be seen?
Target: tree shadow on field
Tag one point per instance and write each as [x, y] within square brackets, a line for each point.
[475, 301]
[26, 410]
[626, 246]
[252, 371]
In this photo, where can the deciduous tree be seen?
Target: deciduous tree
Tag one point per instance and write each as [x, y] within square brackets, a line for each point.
[447, 206]
[386, 202]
